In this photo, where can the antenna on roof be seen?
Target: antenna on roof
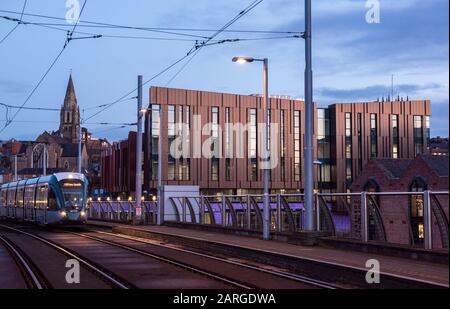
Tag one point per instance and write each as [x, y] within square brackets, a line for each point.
[392, 86]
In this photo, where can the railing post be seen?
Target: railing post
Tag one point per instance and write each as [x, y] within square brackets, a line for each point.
[279, 215]
[202, 210]
[317, 212]
[427, 220]
[364, 225]
[184, 210]
[248, 213]
[224, 213]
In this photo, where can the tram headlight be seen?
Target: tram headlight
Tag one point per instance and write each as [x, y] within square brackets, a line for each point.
[63, 214]
[83, 214]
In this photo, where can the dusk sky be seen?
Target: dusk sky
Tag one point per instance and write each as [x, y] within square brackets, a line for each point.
[353, 60]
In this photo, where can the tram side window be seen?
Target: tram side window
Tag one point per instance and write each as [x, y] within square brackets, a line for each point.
[3, 198]
[20, 197]
[29, 197]
[52, 203]
[11, 197]
[41, 197]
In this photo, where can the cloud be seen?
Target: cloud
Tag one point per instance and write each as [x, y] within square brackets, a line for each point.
[372, 92]
[13, 87]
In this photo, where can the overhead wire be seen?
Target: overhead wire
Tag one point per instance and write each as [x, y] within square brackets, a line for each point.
[16, 26]
[199, 46]
[94, 24]
[8, 123]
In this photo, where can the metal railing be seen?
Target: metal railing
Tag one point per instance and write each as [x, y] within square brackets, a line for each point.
[121, 211]
[383, 217]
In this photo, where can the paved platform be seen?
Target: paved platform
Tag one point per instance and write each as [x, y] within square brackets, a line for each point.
[399, 267]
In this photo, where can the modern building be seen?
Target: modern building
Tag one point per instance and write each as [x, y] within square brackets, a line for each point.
[359, 132]
[347, 136]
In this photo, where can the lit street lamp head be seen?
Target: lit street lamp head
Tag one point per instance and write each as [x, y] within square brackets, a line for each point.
[243, 59]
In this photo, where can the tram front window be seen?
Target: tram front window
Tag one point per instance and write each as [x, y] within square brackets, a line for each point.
[73, 192]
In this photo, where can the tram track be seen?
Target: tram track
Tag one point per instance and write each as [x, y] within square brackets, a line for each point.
[291, 276]
[239, 265]
[110, 279]
[45, 236]
[31, 276]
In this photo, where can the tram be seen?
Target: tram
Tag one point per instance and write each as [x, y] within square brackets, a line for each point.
[58, 199]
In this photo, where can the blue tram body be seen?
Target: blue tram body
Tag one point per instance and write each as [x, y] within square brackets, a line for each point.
[58, 199]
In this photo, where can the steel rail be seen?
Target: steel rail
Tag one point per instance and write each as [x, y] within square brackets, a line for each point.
[97, 270]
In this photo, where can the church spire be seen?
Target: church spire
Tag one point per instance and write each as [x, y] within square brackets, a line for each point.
[70, 99]
[70, 115]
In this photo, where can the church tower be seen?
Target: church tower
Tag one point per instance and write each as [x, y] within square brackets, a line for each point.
[70, 115]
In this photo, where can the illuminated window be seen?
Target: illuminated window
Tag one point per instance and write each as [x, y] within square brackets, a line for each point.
[252, 144]
[215, 143]
[395, 137]
[348, 149]
[228, 145]
[417, 211]
[297, 154]
[421, 231]
[187, 161]
[373, 136]
[171, 138]
[282, 147]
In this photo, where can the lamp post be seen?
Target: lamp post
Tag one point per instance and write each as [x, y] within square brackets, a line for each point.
[309, 119]
[266, 206]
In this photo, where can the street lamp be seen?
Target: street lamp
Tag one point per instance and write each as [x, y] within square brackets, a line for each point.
[266, 206]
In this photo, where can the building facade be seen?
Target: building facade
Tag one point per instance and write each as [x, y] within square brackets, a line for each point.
[360, 132]
[403, 215]
[346, 137]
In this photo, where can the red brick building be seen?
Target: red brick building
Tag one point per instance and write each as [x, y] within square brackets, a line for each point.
[402, 215]
[119, 166]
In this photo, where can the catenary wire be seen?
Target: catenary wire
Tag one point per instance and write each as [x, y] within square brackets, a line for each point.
[8, 123]
[16, 26]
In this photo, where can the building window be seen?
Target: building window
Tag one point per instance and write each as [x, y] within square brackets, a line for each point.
[323, 147]
[428, 131]
[395, 137]
[373, 136]
[348, 149]
[417, 211]
[360, 143]
[187, 161]
[171, 138]
[282, 147]
[418, 135]
[252, 144]
[297, 167]
[228, 145]
[215, 144]
[154, 143]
